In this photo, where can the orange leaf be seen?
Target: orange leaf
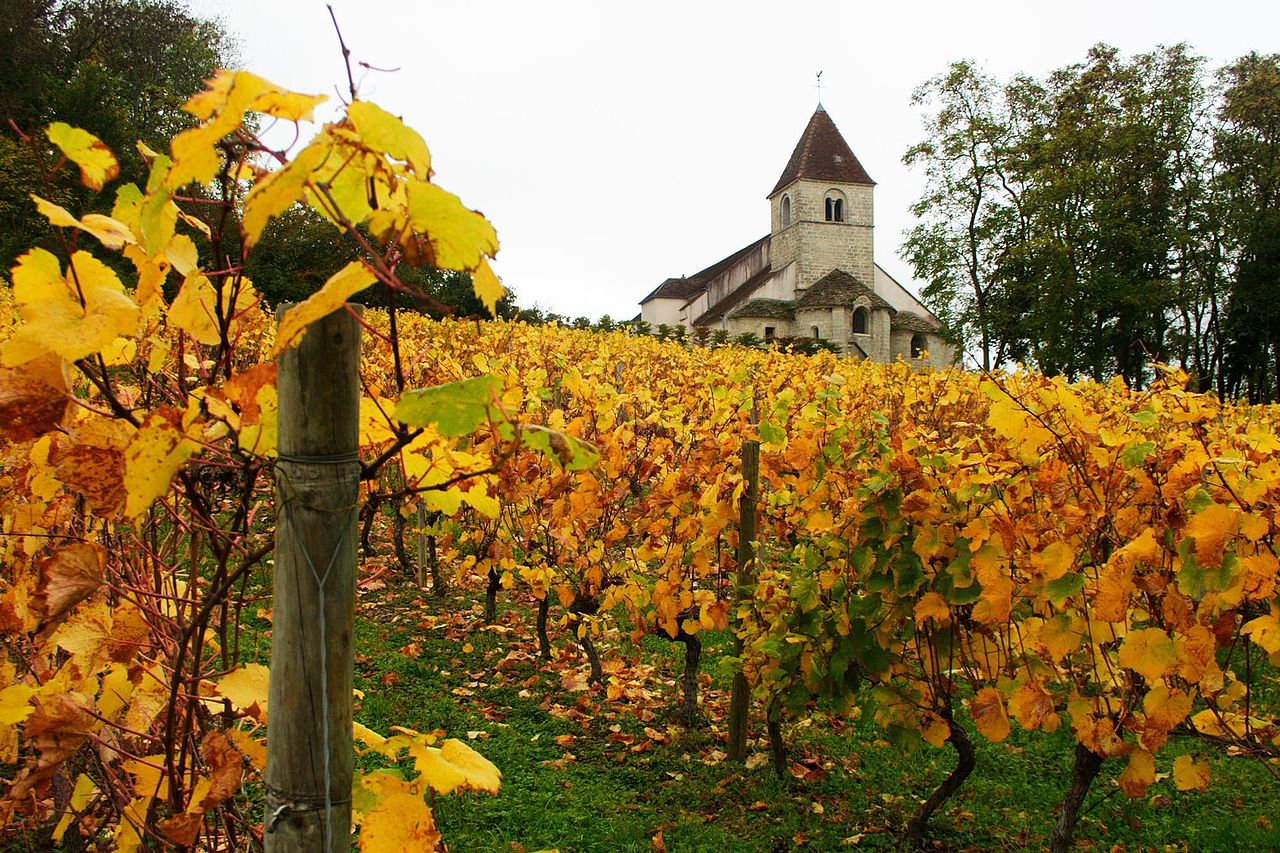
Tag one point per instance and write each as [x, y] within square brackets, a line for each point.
[987, 710]
[1140, 772]
[1210, 530]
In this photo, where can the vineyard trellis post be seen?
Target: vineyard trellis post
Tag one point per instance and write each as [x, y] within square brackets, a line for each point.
[740, 698]
[309, 749]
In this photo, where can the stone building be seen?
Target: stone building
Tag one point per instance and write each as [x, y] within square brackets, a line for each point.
[815, 273]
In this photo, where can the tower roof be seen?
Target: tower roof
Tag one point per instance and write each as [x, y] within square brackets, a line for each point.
[823, 155]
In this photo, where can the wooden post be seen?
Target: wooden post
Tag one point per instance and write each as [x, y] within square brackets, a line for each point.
[740, 698]
[309, 751]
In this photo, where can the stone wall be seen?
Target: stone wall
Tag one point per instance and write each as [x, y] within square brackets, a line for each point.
[816, 246]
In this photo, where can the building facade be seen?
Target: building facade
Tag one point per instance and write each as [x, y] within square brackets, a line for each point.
[815, 273]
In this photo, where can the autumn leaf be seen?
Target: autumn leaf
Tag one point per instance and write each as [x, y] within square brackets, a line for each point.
[487, 287]
[932, 606]
[193, 310]
[1211, 529]
[1149, 652]
[1053, 562]
[1032, 706]
[110, 232]
[97, 164]
[92, 462]
[459, 238]
[33, 398]
[987, 710]
[68, 576]
[55, 319]
[454, 408]
[392, 816]
[380, 131]
[246, 689]
[279, 190]
[1138, 774]
[1189, 774]
[225, 765]
[156, 453]
[343, 284]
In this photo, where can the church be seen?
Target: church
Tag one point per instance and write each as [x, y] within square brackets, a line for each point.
[815, 273]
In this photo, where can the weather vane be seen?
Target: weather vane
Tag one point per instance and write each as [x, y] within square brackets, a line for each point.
[819, 88]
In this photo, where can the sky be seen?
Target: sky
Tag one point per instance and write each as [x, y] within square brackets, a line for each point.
[615, 145]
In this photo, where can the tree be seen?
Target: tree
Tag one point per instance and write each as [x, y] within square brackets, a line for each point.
[971, 208]
[1247, 146]
[1059, 217]
[119, 68]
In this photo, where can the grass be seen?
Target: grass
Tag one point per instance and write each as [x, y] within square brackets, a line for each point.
[584, 774]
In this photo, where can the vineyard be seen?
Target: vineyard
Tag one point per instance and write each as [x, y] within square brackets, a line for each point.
[939, 556]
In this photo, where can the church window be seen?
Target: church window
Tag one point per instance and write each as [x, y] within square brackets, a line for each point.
[835, 206]
[786, 211]
[817, 335]
[860, 321]
[918, 346]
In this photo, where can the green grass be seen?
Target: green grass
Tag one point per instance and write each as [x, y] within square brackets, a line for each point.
[609, 798]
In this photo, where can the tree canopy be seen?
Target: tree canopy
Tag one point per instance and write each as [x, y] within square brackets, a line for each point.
[1109, 214]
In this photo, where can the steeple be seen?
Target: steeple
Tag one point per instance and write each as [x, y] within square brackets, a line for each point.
[823, 155]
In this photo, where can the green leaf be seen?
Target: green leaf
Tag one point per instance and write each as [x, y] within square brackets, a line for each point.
[771, 434]
[572, 454]
[1059, 590]
[1136, 455]
[456, 408]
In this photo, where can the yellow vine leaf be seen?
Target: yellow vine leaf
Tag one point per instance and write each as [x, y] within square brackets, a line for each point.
[487, 287]
[246, 689]
[1210, 530]
[1265, 631]
[222, 106]
[182, 254]
[280, 190]
[932, 606]
[349, 280]
[97, 164]
[380, 131]
[987, 710]
[1032, 706]
[110, 232]
[192, 310]
[290, 106]
[15, 705]
[1189, 774]
[453, 766]
[55, 320]
[158, 450]
[81, 796]
[1150, 652]
[1054, 560]
[396, 819]
[1138, 774]
[459, 238]
[1166, 708]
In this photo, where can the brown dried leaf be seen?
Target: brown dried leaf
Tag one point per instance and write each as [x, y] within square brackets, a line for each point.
[68, 576]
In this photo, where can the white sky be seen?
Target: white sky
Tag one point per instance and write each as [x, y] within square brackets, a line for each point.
[615, 145]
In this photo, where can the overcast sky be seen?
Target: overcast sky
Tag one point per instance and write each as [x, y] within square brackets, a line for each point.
[614, 145]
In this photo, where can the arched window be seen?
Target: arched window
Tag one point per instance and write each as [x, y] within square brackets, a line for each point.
[860, 321]
[817, 335]
[918, 346]
[786, 211]
[835, 206]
